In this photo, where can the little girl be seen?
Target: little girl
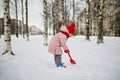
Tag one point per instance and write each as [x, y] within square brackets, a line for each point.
[59, 41]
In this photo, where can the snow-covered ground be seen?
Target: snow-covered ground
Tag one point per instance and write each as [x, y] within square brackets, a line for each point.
[33, 62]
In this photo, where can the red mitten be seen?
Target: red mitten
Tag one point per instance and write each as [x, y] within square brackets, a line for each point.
[67, 51]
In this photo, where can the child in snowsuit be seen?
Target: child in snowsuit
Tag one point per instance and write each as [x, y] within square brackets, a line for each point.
[59, 41]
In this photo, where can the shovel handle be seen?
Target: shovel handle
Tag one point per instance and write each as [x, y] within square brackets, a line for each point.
[69, 56]
[71, 60]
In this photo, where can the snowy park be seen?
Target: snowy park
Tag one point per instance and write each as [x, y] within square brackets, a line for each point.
[91, 29]
[33, 62]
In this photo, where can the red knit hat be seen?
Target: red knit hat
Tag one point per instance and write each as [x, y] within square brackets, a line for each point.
[71, 28]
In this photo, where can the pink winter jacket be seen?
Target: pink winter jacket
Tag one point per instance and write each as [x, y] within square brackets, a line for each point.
[58, 42]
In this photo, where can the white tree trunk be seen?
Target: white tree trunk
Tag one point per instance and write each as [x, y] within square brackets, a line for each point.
[0, 28]
[7, 34]
[63, 13]
[100, 22]
[73, 11]
[88, 20]
[23, 31]
[16, 21]
[27, 30]
[45, 22]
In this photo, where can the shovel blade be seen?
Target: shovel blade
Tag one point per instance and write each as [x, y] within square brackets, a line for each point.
[72, 61]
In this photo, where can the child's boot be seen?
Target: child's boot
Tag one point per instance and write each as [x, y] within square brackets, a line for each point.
[60, 65]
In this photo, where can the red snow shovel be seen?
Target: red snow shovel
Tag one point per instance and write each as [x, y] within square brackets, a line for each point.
[71, 60]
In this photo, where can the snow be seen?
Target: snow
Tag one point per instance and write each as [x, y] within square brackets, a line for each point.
[33, 62]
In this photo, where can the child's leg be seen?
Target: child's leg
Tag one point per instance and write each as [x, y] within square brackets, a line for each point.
[57, 59]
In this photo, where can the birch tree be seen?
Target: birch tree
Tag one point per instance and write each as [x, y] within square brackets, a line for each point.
[67, 12]
[23, 31]
[56, 15]
[53, 15]
[16, 21]
[0, 28]
[45, 35]
[27, 31]
[63, 13]
[100, 21]
[117, 18]
[7, 33]
[73, 10]
[88, 20]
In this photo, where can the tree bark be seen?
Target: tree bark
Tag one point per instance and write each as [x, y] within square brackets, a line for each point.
[117, 19]
[63, 13]
[23, 31]
[53, 15]
[100, 22]
[45, 35]
[27, 29]
[7, 32]
[16, 21]
[88, 20]
[73, 10]
[0, 28]
[56, 15]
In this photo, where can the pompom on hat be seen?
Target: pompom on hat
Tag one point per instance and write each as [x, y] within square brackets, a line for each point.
[71, 28]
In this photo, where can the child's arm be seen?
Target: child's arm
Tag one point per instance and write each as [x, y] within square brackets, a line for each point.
[63, 41]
